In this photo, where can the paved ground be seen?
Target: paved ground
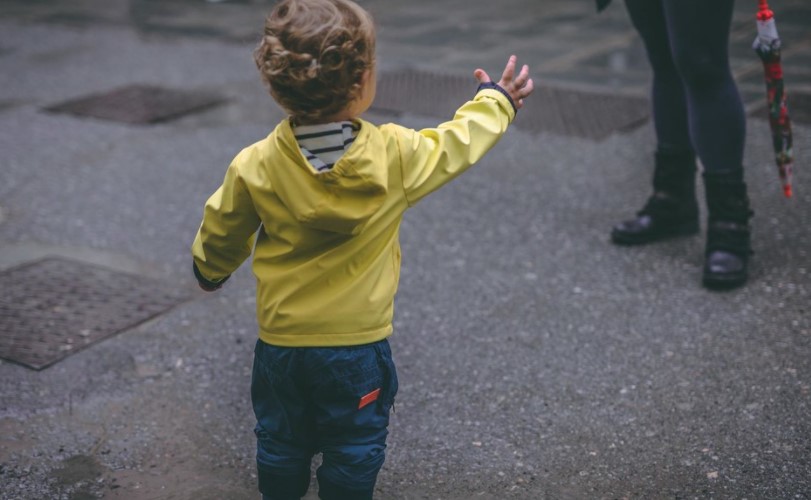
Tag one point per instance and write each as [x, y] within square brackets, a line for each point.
[536, 360]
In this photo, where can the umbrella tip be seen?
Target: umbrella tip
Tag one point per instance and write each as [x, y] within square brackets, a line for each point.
[764, 13]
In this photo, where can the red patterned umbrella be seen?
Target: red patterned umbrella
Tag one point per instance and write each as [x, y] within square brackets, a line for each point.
[767, 45]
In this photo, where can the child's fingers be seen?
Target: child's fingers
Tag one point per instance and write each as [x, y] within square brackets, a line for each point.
[530, 86]
[482, 76]
[527, 89]
[518, 86]
[522, 77]
[509, 70]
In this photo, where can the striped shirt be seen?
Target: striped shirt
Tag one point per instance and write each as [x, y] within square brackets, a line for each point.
[325, 143]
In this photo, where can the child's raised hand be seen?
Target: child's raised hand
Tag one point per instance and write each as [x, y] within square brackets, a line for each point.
[519, 87]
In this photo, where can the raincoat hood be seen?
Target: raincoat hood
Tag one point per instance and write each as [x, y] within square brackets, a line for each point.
[341, 200]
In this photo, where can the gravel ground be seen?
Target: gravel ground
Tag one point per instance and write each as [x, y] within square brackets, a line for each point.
[535, 359]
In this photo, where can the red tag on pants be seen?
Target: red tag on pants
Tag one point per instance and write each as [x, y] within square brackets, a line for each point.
[365, 400]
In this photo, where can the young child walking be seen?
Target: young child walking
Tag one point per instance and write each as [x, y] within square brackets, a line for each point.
[319, 204]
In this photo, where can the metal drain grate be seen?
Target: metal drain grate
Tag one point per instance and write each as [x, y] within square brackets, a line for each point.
[54, 307]
[550, 109]
[139, 104]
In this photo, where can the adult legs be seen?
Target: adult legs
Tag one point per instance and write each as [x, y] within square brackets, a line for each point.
[668, 98]
[696, 106]
[698, 33]
[699, 37]
[672, 209]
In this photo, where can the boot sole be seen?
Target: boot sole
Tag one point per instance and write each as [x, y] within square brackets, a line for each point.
[625, 239]
[723, 282]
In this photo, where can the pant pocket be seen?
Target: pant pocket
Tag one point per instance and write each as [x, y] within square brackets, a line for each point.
[390, 382]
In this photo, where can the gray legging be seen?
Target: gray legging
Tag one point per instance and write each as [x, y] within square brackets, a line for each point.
[696, 104]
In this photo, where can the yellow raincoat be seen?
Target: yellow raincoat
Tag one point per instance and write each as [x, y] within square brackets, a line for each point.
[326, 246]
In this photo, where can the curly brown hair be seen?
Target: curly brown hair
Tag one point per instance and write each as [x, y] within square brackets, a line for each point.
[313, 55]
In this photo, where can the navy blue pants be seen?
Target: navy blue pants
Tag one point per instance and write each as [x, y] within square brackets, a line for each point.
[696, 104]
[330, 400]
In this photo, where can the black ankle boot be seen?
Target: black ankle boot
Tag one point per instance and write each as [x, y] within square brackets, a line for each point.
[726, 257]
[671, 210]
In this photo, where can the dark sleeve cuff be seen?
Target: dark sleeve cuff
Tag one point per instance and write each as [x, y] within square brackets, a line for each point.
[206, 283]
[495, 86]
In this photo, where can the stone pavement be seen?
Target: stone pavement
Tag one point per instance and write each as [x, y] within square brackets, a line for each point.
[536, 360]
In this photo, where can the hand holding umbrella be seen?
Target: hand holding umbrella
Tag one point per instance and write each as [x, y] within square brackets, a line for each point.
[767, 45]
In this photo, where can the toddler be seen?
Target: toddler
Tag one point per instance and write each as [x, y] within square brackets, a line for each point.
[319, 204]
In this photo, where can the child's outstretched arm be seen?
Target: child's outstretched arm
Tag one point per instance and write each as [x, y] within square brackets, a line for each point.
[433, 157]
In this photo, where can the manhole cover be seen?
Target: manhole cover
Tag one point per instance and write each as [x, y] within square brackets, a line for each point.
[55, 307]
[550, 109]
[139, 104]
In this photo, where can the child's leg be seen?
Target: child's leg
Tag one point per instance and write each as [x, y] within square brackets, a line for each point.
[353, 398]
[284, 428]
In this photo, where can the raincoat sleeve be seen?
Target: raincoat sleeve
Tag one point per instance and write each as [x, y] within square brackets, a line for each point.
[433, 157]
[226, 235]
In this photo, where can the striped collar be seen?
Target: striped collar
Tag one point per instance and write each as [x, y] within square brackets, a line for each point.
[325, 143]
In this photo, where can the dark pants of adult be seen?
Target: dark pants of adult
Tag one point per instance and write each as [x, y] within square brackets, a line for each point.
[332, 400]
[696, 105]
[697, 111]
